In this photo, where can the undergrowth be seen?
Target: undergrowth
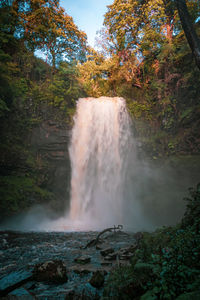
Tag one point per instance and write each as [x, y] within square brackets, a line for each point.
[166, 264]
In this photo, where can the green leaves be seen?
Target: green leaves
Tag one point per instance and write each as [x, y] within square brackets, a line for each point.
[166, 263]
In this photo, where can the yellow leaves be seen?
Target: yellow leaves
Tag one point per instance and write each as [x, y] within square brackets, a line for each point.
[132, 23]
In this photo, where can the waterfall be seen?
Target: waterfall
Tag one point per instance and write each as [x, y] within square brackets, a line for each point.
[100, 144]
[110, 185]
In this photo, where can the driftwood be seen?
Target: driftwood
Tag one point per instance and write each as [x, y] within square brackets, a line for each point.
[94, 242]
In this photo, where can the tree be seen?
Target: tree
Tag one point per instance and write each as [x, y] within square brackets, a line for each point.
[45, 26]
[139, 25]
[192, 38]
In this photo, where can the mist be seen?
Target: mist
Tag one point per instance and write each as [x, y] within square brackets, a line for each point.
[154, 196]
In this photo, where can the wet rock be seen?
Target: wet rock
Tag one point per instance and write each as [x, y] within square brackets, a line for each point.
[106, 251]
[83, 260]
[97, 279]
[127, 252]
[80, 270]
[111, 256]
[50, 271]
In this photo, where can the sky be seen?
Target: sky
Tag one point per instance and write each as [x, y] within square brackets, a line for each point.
[87, 15]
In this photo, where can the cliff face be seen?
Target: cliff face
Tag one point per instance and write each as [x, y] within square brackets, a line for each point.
[50, 141]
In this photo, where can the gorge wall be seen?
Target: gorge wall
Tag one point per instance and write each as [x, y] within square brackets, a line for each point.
[50, 142]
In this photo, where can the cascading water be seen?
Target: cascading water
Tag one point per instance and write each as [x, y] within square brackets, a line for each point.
[100, 146]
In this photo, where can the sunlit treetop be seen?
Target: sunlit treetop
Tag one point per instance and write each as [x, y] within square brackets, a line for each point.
[46, 26]
[137, 25]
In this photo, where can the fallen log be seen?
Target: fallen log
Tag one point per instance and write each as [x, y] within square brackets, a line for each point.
[95, 241]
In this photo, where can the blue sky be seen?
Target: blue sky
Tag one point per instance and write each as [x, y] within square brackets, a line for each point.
[87, 15]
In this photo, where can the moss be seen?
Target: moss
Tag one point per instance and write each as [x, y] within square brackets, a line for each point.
[19, 193]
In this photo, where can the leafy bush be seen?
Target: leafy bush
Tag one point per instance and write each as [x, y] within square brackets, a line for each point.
[166, 263]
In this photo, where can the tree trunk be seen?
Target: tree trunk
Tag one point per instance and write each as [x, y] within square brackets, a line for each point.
[191, 35]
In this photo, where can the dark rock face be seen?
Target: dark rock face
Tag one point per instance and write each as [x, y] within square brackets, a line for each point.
[50, 141]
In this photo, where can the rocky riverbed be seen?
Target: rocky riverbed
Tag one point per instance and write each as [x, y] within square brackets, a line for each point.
[59, 265]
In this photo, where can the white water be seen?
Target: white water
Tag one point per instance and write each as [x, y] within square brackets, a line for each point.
[100, 145]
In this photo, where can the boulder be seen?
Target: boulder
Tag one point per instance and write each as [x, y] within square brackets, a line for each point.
[97, 279]
[50, 271]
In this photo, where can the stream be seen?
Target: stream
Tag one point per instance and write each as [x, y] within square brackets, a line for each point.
[20, 252]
